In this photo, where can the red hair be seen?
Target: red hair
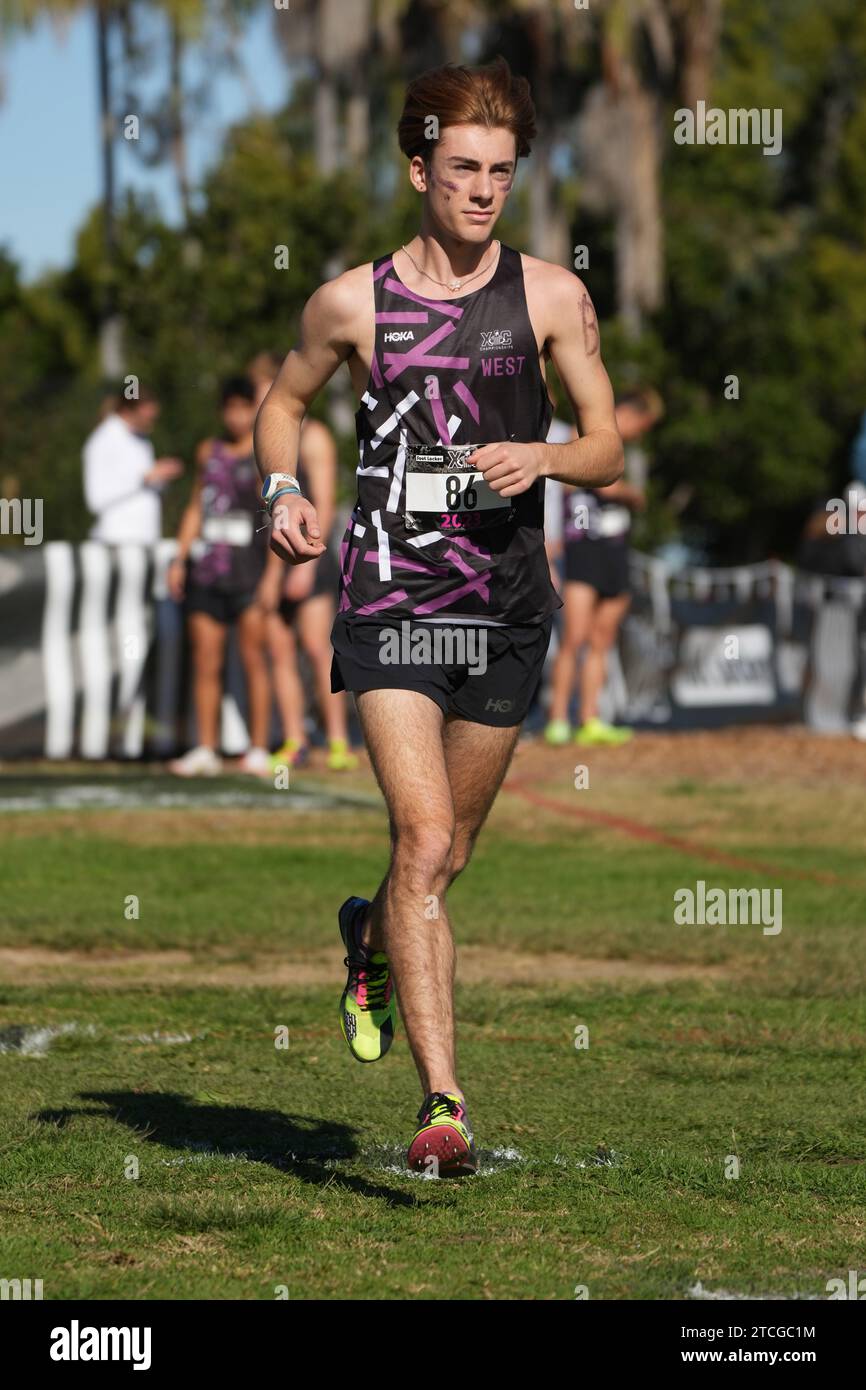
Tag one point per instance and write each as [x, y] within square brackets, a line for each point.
[456, 95]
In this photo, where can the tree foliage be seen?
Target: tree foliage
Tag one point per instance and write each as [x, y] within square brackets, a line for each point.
[764, 271]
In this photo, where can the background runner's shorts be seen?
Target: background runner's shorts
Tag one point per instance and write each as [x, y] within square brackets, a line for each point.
[602, 564]
[440, 662]
[326, 580]
[224, 605]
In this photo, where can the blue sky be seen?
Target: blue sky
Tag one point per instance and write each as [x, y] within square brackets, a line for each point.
[49, 151]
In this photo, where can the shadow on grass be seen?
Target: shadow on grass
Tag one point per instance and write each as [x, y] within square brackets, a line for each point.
[293, 1144]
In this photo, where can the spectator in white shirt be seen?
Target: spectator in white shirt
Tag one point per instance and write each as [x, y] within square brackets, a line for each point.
[122, 480]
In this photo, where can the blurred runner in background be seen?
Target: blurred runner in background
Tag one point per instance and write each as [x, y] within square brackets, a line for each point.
[122, 479]
[219, 570]
[301, 601]
[595, 543]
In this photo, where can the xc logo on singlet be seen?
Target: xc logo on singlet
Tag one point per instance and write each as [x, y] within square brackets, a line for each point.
[496, 338]
[407, 337]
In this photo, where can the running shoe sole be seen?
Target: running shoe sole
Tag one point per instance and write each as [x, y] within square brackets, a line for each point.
[446, 1145]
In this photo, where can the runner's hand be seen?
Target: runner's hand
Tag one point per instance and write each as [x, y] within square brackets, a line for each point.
[295, 532]
[509, 468]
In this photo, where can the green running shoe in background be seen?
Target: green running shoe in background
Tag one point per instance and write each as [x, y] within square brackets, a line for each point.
[557, 733]
[595, 733]
[340, 757]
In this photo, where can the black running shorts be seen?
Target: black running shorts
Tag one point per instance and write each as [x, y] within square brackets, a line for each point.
[487, 675]
[326, 580]
[223, 605]
[602, 564]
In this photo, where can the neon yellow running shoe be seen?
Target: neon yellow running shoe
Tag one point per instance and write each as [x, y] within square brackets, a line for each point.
[557, 732]
[339, 757]
[444, 1145]
[595, 733]
[368, 1009]
[292, 754]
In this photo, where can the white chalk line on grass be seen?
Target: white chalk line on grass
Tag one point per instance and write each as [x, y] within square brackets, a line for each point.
[602, 1158]
[729, 1295]
[391, 1158]
[164, 1039]
[118, 799]
[385, 1158]
[35, 1041]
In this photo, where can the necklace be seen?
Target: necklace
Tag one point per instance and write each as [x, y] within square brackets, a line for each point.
[448, 284]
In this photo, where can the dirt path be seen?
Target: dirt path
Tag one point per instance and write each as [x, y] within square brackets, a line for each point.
[477, 965]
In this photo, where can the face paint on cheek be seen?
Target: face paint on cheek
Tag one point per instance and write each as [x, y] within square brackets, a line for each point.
[443, 183]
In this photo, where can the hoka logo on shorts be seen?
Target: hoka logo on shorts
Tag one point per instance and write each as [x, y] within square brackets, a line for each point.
[405, 337]
[499, 706]
[496, 338]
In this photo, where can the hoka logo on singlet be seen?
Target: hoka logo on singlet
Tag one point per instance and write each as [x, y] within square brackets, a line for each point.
[407, 337]
[496, 338]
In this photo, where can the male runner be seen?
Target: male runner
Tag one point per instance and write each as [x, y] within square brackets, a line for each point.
[446, 340]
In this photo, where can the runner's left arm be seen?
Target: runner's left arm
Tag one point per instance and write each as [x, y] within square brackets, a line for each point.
[574, 346]
[572, 342]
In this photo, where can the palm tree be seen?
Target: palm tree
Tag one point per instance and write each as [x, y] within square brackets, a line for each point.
[621, 128]
[217, 26]
[332, 38]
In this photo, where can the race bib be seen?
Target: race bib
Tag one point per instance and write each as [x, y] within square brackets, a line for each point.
[232, 528]
[442, 494]
[613, 521]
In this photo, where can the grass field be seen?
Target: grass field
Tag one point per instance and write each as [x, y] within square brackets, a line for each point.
[146, 1043]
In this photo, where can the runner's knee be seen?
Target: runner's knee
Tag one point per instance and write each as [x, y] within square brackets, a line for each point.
[318, 652]
[423, 852]
[460, 856]
[602, 638]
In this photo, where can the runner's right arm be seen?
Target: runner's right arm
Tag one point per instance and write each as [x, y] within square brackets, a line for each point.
[326, 340]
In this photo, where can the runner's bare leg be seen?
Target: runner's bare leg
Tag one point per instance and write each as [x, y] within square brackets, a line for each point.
[606, 620]
[477, 757]
[415, 752]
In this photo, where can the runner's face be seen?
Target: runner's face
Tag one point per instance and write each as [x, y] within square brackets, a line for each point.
[469, 178]
[238, 416]
[145, 416]
[632, 423]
